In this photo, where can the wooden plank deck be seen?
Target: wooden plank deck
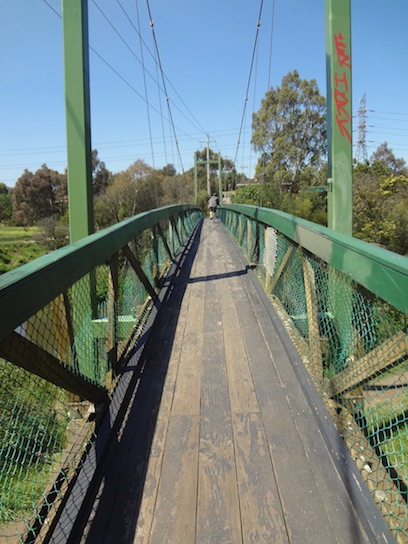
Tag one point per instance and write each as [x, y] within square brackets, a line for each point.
[225, 439]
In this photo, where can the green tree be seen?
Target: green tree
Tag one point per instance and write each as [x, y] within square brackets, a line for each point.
[248, 194]
[386, 162]
[177, 189]
[101, 176]
[136, 189]
[39, 195]
[6, 205]
[380, 197]
[169, 170]
[53, 233]
[289, 130]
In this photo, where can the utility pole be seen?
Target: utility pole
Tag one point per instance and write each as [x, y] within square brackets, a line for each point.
[217, 161]
[208, 165]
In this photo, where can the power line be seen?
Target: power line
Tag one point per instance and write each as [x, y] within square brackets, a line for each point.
[270, 44]
[123, 79]
[52, 8]
[249, 77]
[167, 79]
[145, 82]
[164, 82]
[158, 61]
[390, 112]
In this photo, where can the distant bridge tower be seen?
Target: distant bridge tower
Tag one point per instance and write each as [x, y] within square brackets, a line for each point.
[361, 149]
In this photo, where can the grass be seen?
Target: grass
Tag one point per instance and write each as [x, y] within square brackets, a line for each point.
[19, 235]
[18, 246]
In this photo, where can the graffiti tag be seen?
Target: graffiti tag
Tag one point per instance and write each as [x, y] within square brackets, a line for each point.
[341, 88]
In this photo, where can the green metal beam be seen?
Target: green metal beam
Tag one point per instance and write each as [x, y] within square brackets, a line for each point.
[77, 105]
[219, 178]
[382, 272]
[339, 115]
[195, 179]
[28, 288]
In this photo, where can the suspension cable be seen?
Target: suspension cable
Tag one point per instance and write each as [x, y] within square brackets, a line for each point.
[145, 84]
[270, 45]
[164, 85]
[249, 77]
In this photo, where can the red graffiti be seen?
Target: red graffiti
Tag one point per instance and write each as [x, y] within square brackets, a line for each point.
[341, 47]
[341, 89]
[341, 82]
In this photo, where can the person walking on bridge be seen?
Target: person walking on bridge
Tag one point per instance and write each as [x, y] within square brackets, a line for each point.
[213, 204]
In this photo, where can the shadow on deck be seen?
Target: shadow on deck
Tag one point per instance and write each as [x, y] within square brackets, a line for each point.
[221, 436]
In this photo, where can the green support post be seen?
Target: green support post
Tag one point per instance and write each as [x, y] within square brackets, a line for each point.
[195, 179]
[79, 166]
[77, 104]
[219, 177]
[339, 115]
[340, 166]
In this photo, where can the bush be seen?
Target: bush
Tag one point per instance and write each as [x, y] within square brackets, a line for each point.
[53, 233]
[202, 201]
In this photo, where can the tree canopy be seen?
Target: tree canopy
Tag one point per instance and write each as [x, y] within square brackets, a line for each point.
[6, 205]
[380, 200]
[289, 130]
[39, 195]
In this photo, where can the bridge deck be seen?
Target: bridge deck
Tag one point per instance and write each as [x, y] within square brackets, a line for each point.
[225, 440]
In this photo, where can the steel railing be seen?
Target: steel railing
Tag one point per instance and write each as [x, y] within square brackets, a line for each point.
[344, 303]
[69, 323]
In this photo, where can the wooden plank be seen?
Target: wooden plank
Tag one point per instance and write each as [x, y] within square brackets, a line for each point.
[302, 501]
[153, 473]
[135, 264]
[113, 295]
[155, 462]
[60, 319]
[242, 393]
[187, 393]
[175, 512]
[22, 352]
[332, 467]
[258, 474]
[377, 360]
[218, 513]
[261, 510]
[281, 268]
[241, 388]
[164, 240]
[333, 496]
[313, 320]
[125, 478]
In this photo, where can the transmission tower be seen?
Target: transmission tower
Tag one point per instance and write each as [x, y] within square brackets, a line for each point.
[361, 149]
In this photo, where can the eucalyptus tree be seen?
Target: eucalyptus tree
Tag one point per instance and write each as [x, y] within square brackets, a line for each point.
[289, 131]
[38, 195]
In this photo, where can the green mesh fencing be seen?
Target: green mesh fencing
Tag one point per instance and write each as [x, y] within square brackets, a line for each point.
[345, 311]
[69, 323]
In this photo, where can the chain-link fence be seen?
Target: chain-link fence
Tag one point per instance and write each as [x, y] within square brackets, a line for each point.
[344, 304]
[69, 323]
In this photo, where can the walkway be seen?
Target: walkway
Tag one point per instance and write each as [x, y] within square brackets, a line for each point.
[226, 439]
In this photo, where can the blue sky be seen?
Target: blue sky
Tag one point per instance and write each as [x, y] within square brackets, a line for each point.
[206, 51]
